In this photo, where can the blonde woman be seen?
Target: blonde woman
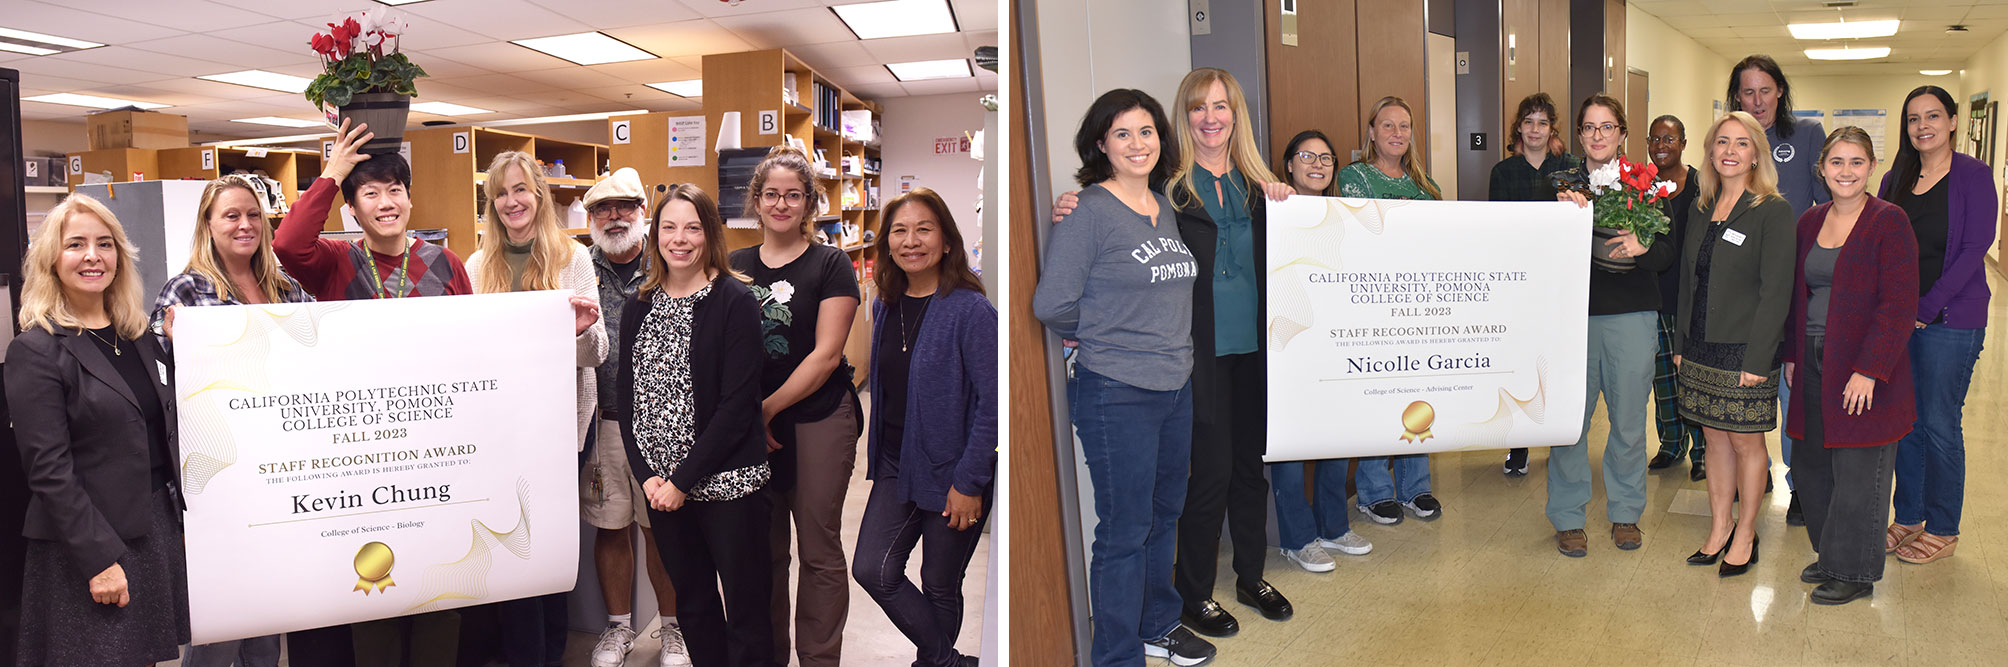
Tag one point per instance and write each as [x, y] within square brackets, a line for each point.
[230, 263]
[809, 296]
[90, 392]
[523, 249]
[1735, 291]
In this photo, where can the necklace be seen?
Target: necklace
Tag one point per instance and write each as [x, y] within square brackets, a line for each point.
[116, 351]
[906, 344]
[403, 275]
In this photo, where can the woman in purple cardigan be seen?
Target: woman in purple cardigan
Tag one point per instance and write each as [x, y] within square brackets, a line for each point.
[932, 446]
[1952, 205]
[1854, 289]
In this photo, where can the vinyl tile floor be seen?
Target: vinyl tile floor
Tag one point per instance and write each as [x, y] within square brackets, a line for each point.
[1484, 584]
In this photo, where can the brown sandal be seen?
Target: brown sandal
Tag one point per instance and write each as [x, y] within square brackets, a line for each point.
[1927, 548]
[1899, 535]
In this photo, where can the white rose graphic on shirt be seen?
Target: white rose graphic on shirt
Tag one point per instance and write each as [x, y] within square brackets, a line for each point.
[774, 312]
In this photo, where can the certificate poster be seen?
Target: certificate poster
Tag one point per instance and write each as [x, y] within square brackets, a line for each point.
[356, 460]
[1401, 327]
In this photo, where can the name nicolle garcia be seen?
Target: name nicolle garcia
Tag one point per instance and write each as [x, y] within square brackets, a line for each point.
[1175, 269]
[1404, 363]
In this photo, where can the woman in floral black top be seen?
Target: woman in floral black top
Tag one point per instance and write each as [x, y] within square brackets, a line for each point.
[691, 421]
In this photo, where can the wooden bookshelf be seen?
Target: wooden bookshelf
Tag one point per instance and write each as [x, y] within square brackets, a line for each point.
[448, 165]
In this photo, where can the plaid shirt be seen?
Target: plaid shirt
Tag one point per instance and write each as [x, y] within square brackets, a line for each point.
[614, 296]
[194, 289]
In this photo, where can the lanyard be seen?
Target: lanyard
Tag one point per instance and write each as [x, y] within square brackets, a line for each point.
[403, 277]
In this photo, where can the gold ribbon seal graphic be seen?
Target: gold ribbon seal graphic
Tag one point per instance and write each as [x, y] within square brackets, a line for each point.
[373, 565]
[1417, 418]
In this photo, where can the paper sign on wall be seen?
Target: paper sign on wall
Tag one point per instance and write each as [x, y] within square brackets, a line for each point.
[256, 151]
[209, 159]
[327, 150]
[770, 122]
[33, 169]
[404, 150]
[686, 140]
[621, 130]
[76, 165]
[1872, 121]
[905, 184]
[463, 142]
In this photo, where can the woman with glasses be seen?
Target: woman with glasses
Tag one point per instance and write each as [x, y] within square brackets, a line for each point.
[1307, 529]
[808, 298]
[1392, 169]
[1624, 307]
[1536, 153]
[1664, 141]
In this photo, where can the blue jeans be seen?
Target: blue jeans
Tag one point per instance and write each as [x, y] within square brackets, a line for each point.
[1373, 483]
[1931, 461]
[1297, 523]
[1138, 446]
[1784, 441]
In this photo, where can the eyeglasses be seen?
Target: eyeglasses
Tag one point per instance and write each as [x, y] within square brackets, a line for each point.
[610, 208]
[1308, 157]
[1594, 130]
[793, 197]
[1663, 139]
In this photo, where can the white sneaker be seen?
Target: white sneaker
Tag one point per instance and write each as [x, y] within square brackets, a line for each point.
[1312, 558]
[614, 646]
[1350, 543]
[673, 652]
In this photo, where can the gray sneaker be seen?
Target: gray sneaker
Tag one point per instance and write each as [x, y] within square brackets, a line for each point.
[614, 645]
[1312, 557]
[673, 653]
[1350, 543]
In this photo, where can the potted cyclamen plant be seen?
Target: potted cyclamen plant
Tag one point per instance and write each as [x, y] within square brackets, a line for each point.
[1624, 197]
[365, 78]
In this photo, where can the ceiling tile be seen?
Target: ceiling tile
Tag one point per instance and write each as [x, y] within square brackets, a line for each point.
[604, 14]
[650, 71]
[65, 22]
[501, 84]
[687, 38]
[209, 91]
[940, 86]
[56, 66]
[920, 47]
[496, 57]
[239, 54]
[146, 61]
[849, 77]
[499, 19]
[878, 91]
[572, 78]
[313, 11]
[772, 30]
[182, 16]
[289, 36]
[714, 8]
[834, 55]
[972, 40]
[975, 15]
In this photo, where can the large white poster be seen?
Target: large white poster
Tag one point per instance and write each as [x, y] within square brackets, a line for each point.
[348, 461]
[1401, 327]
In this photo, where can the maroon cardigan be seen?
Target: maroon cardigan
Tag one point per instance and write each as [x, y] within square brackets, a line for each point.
[1870, 313]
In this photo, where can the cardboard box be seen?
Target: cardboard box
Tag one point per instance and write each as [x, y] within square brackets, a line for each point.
[136, 129]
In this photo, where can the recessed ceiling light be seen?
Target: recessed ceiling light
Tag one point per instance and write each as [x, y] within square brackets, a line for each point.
[281, 122]
[36, 38]
[1868, 53]
[24, 48]
[447, 109]
[258, 78]
[93, 101]
[897, 18]
[586, 48]
[688, 89]
[930, 69]
[1843, 30]
[1934, 72]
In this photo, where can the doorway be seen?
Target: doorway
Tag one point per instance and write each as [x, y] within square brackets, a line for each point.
[1636, 112]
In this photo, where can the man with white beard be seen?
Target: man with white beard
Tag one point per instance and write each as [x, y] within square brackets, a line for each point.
[609, 498]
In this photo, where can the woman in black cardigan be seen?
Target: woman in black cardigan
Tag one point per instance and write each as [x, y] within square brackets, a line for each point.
[93, 410]
[690, 403]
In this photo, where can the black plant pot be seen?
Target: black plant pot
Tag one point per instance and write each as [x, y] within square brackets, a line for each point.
[385, 113]
[1600, 254]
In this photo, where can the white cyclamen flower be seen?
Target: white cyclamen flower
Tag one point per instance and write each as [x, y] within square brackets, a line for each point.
[783, 291]
[1605, 178]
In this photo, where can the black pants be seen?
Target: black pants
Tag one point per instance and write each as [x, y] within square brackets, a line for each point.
[1229, 435]
[332, 646]
[1845, 491]
[930, 616]
[533, 630]
[709, 545]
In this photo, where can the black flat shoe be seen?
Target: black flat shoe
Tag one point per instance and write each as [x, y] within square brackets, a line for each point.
[1814, 575]
[1210, 620]
[1661, 461]
[1728, 569]
[1842, 592]
[1698, 472]
[1794, 514]
[1264, 598]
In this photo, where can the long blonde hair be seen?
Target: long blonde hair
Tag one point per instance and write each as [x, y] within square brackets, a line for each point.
[1241, 148]
[550, 249]
[202, 257]
[1763, 181]
[1410, 164]
[42, 300]
[716, 259]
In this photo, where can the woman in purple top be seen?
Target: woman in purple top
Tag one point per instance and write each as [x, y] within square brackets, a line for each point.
[1952, 204]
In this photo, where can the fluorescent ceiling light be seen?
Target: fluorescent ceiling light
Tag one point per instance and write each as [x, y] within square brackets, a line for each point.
[281, 122]
[258, 78]
[395, 3]
[568, 118]
[1868, 53]
[92, 101]
[930, 69]
[586, 48]
[691, 88]
[25, 36]
[1934, 72]
[897, 18]
[1843, 30]
[24, 48]
[446, 109]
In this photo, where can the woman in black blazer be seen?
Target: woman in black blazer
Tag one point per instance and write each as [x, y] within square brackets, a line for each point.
[689, 393]
[91, 395]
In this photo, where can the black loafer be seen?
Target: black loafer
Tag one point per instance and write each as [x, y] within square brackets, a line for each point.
[1814, 575]
[1660, 461]
[1842, 592]
[1265, 598]
[1210, 620]
[1795, 515]
[1698, 472]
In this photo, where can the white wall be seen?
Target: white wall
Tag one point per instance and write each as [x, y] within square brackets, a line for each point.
[1827, 93]
[911, 124]
[1686, 78]
[1988, 72]
[1089, 48]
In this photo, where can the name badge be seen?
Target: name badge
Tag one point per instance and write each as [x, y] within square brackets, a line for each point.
[162, 367]
[1733, 236]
